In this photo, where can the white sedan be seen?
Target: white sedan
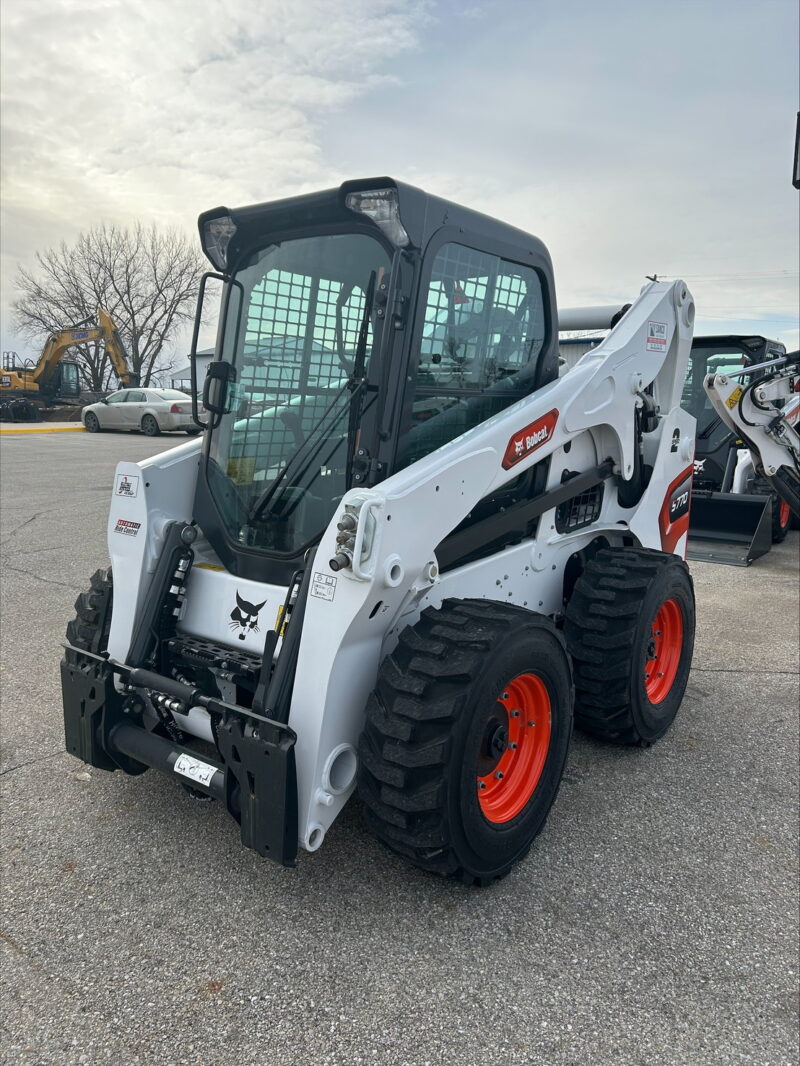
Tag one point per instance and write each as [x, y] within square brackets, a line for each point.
[147, 410]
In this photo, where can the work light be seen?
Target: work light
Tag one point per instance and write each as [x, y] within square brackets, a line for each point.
[217, 233]
[382, 207]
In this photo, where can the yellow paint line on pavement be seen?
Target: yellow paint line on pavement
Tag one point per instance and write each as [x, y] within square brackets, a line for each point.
[43, 429]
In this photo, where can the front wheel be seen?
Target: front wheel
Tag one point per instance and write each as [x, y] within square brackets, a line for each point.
[150, 427]
[466, 738]
[91, 422]
[630, 631]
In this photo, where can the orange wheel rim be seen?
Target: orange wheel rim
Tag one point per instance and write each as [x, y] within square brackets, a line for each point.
[514, 748]
[784, 514]
[663, 651]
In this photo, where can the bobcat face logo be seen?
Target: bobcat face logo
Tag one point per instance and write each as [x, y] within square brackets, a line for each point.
[244, 616]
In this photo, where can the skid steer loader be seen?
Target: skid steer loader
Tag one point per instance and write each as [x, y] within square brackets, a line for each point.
[760, 405]
[736, 514]
[406, 554]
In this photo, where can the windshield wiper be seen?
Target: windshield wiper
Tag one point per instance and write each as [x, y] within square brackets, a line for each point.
[355, 384]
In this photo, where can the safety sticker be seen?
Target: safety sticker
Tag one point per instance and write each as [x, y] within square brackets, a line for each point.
[656, 337]
[127, 485]
[323, 586]
[128, 529]
[194, 769]
[734, 397]
[529, 438]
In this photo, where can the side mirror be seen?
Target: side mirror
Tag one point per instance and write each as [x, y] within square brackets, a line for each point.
[215, 389]
[103, 400]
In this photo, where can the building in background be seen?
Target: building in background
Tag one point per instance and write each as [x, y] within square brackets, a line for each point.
[181, 378]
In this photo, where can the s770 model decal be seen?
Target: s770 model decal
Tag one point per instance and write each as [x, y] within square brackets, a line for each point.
[673, 521]
[530, 438]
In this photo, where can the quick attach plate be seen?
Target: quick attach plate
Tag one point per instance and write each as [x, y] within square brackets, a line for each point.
[261, 784]
[92, 707]
[258, 753]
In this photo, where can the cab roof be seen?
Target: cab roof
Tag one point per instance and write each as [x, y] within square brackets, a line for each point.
[421, 214]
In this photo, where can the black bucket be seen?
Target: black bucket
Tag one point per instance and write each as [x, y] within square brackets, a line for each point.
[729, 527]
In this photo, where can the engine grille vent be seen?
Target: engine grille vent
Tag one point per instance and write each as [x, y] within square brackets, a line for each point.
[580, 511]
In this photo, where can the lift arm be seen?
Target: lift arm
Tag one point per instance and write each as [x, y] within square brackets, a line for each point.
[765, 413]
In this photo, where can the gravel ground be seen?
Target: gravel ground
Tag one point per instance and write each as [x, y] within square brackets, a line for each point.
[654, 922]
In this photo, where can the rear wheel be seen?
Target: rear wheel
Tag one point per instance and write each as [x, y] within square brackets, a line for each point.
[781, 519]
[630, 631]
[466, 738]
[150, 426]
[91, 422]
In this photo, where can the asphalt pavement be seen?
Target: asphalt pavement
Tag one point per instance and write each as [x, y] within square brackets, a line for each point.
[654, 922]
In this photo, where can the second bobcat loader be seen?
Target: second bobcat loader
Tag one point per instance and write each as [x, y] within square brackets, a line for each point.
[406, 555]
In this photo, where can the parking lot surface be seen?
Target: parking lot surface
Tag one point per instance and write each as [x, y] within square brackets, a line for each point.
[654, 922]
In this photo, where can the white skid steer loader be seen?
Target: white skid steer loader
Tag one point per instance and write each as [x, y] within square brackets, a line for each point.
[405, 554]
[761, 405]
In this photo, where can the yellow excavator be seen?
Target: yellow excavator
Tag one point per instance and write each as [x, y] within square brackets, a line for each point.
[28, 386]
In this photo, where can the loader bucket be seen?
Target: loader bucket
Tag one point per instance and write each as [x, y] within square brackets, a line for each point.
[728, 527]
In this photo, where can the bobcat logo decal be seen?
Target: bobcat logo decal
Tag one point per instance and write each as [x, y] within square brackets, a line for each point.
[244, 616]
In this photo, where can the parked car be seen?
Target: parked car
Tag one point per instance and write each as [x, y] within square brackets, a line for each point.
[150, 411]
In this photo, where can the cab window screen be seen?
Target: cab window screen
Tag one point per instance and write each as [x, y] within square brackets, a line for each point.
[482, 333]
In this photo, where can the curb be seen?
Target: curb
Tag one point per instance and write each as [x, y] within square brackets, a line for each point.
[45, 429]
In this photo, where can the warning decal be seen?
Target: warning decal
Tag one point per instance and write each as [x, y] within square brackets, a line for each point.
[734, 397]
[323, 586]
[194, 769]
[656, 337]
[126, 485]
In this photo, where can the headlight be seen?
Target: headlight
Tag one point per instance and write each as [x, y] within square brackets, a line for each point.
[217, 233]
[382, 207]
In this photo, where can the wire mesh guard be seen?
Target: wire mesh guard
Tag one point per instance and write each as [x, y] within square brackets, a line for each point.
[304, 312]
[483, 330]
[582, 510]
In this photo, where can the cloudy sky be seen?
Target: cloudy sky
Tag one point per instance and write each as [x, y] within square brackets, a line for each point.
[632, 137]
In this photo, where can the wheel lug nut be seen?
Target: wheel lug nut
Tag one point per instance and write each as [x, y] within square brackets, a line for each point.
[481, 785]
[531, 724]
[499, 775]
[515, 714]
[513, 745]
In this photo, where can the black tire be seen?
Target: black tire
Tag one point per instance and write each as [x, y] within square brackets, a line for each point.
[425, 737]
[91, 422]
[610, 635]
[193, 431]
[781, 519]
[90, 627]
[150, 426]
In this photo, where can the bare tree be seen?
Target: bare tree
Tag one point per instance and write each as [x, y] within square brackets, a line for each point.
[146, 278]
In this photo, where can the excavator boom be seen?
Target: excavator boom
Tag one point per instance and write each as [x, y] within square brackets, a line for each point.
[43, 377]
